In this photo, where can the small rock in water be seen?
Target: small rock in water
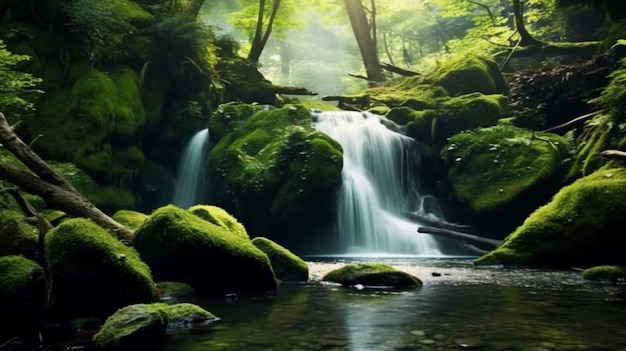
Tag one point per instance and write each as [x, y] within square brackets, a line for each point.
[418, 333]
[469, 343]
[231, 297]
[359, 287]
[435, 274]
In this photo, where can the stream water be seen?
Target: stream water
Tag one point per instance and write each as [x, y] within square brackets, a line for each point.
[458, 307]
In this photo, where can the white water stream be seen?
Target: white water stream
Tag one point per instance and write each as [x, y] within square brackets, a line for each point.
[379, 182]
[191, 188]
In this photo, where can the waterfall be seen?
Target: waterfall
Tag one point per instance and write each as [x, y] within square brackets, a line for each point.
[379, 181]
[191, 186]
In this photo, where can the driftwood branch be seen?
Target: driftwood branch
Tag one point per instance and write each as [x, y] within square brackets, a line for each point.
[613, 154]
[289, 90]
[573, 122]
[458, 235]
[436, 223]
[395, 69]
[48, 184]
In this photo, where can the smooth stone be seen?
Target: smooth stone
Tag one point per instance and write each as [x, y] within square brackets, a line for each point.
[469, 343]
[418, 333]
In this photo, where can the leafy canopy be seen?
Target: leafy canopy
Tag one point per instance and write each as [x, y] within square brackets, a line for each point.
[14, 84]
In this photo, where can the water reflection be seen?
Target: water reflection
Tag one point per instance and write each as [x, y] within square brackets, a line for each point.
[487, 308]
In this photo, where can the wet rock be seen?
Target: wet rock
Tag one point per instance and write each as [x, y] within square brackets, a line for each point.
[469, 343]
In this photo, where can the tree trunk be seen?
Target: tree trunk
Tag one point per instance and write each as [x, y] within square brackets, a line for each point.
[260, 36]
[48, 184]
[365, 40]
[458, 235]
[526, 38]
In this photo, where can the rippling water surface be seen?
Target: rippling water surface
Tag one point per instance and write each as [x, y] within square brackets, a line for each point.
[458, 307]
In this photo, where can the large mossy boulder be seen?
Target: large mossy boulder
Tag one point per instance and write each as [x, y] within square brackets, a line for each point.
[372, 275]
[581, 227]
[273, 167]
[92, 272]
[611, 274]
[22, 296]
[182, 247]
[286, 265]
[219, 217]
[464, 75]
[17, 235]
[499, 175]
[130, 219]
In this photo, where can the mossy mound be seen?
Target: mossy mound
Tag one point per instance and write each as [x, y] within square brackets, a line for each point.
[605, 273]
[464, 75]
[273, 166]
[502, 174]
[372, 275]
[187, 315]
[130, 219]
[93, 273]
[220, 218]
[182, 247]
[22, 296]
[286, 265]
[132, 327]
[415, 93]
[581, 227]
[229, 117]
[175, 291]
[453, 115]
[17, 235]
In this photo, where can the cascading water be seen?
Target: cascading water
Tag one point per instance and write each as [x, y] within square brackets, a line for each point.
[191, 185]
[379, 182]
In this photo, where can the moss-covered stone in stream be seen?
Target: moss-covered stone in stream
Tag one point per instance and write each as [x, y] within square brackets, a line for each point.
[463, 75]
[605, 273]
[22, 297]
[372, 275]
[93, 273]
[130, 219]
[180, 246]
[219, 217]
[228, 118]
[176, 291]
[581, 227]
[17, 235]
[502, 174]
[286, 265]
[273, 166]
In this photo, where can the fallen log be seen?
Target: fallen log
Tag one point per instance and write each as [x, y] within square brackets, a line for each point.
[289, 90]
[447, 233]
[436, 223]
[573, 122]
[55, 190]
[613, 154]
[397, 70]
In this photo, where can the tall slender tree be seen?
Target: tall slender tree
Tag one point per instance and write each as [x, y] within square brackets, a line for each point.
[263, 29]
[365, 34]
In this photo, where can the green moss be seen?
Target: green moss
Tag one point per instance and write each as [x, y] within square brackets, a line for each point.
[186, 315]
[504, 170]
[129, 112]
[126, 160]
[131, 12]
[272, 166]
[154, 88]
[318, 105]
[372, 275]
[605, 273]
[286, 265]
[580, 227]
[413, 92]
[180, 246]
[17, 236]
[220, 218]
[93, 272]
[175, 291]
[463, 75]
[134, 326]
[108, 198]
[22, 295]
[130, 219]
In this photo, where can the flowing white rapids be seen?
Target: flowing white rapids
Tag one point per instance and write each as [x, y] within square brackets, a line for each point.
[191, 185]
[379, 181]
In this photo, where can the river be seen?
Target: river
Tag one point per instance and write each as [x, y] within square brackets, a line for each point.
[458, 307]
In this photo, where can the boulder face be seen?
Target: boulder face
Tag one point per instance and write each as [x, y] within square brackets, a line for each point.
[463, 75]
[22, 296]
[372, 275]
[272, 166]
[182, 247]
[220, 218]
[17, 236]
[581, 227]
[93, 273]
[500, 175]
[286, 265]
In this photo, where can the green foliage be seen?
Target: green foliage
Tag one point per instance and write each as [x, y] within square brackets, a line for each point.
[15, 92]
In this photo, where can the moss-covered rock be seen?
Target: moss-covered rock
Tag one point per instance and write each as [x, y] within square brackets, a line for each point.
[22, 296]
[229, 118]
[17, 235]
[501, 174]
[273, 167]
[605, 273]
[134, 326]
[580, 227]
[175, 291]
[187, 315]
[463, 75]
[372, 275]
[130, 219]
[286, 265]
[93, 273]
[180, 246]
[220, 218]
